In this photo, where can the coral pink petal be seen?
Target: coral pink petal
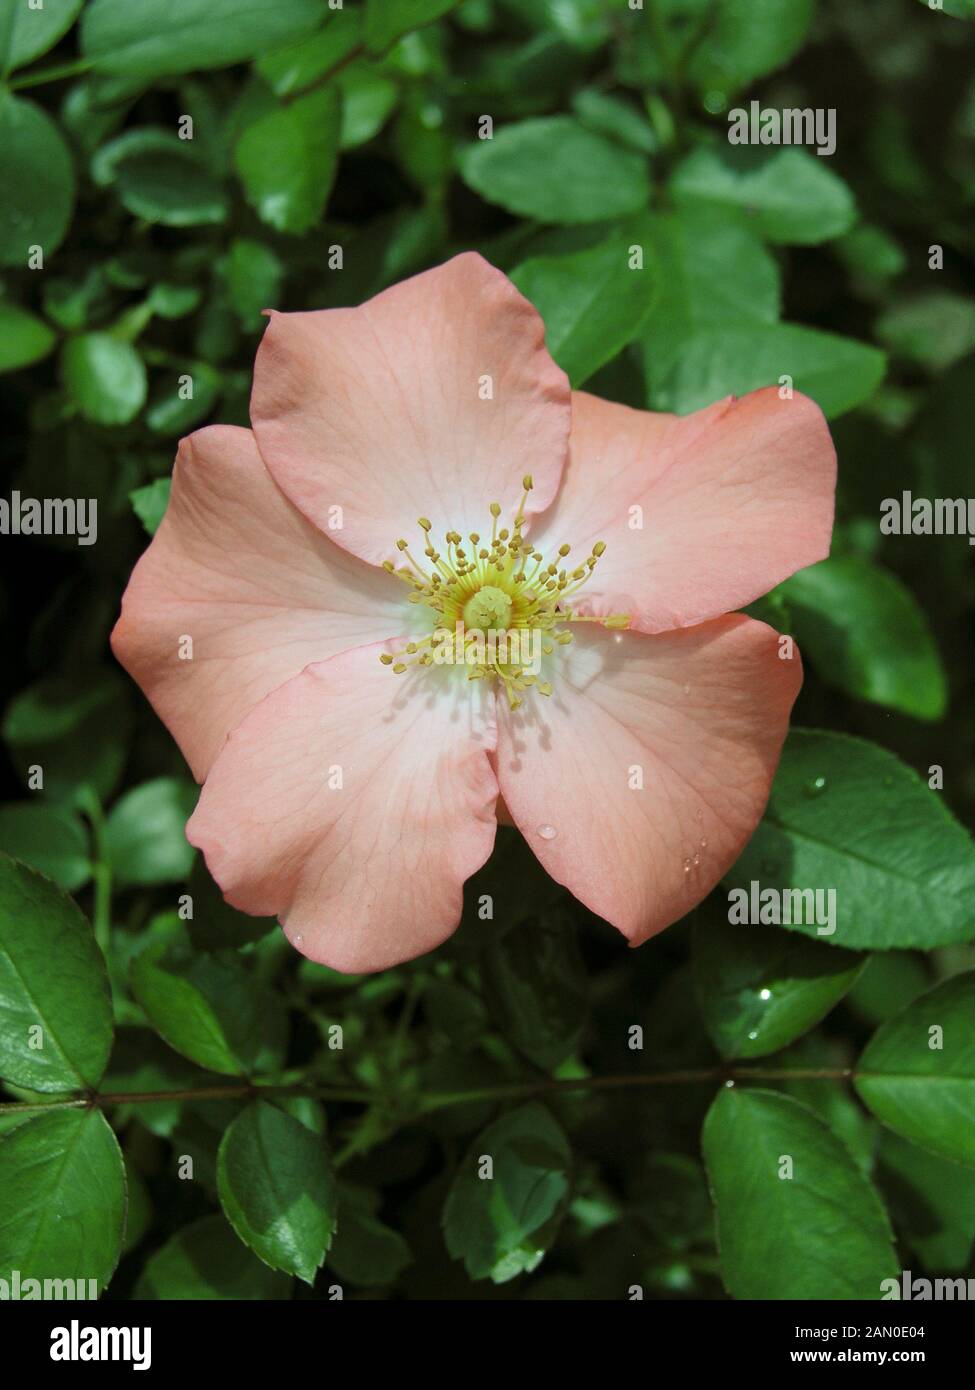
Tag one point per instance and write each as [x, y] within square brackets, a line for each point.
[352, 804]
[700, 514]
[434, 399]
[697, 716]
[237, 571]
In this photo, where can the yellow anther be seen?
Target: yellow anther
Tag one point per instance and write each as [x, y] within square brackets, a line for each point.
[494, 594]
[527, 483]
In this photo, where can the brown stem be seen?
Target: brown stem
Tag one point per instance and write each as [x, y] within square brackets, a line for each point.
[437, 1100]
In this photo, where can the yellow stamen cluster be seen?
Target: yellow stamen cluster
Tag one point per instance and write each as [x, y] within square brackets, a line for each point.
[504, 585]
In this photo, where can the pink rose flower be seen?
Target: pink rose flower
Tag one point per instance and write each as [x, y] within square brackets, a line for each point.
[418, 462]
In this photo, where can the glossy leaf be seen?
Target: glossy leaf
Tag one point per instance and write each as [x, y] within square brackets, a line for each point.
[847, 815]
[62, 1202]
[287, 160]
[277, 1190]
[501, 1225]
[592, 302]
[55, 1007]
[866, 633]
[158, 38]
[556, 170]
[38, 181]
[917, 1073]
[789, 194]
[796, 1219]
[207, 1007]
[761, 987]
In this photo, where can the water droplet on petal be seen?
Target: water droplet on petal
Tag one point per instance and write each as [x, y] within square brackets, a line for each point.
[298, 939]
[687, 690]
[547, 832]
[704, 844]
[698, 814]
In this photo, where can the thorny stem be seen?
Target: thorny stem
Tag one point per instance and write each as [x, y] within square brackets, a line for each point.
[437, 1100]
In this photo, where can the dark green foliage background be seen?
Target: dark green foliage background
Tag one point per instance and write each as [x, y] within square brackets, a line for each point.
[314, 129]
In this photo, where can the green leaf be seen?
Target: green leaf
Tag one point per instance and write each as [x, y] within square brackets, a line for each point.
[277, 1189]
[790, 194]
[935, 330]
[388, 20]
[834, 1103]
[291, 69]
[708, 272]
[150, 502]
[745, 39]
[537, 989]
[207, 1007]
[368, 99]
[105, 377]
[615, 118]
[593, 302]
[871, 253]
[847, 815]
[759, 988]
[287, 160]
[158, 38]
[889, 982]
[253, 275]
[37, 177]
[866, 634]
[74, 729]
[62, 1201]
[917, 1072]
[35, 30]
[820, 1233]
[160, 178]
[146, 832]
[55, 1005]
[206, 1261]
[836, 372]
[932, 1203]
[138, 1210]
[501, 1225]
[24, 338]
[50, 839]
[556, 170]
[172, 412]
[365, 1251]
[171, 301]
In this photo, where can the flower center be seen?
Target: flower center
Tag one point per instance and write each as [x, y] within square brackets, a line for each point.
[497, 608]
[490, 607]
